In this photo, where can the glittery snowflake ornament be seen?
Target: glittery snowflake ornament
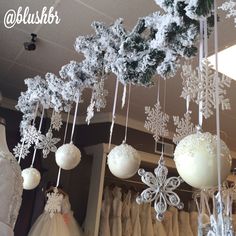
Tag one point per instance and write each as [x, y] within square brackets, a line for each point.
[156, 121]
[200, 87]
[48, 143]
[21, 150]
[161, 189]
[56, 121]
[184, 127]
[31, 135]
[54, 202]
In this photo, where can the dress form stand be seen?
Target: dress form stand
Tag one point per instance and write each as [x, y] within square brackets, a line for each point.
[10, 186]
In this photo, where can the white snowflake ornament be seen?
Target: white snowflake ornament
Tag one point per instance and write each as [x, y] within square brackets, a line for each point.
[161, 189]
[156, 121]
[31, 135]
[184, 127]
[56, 121]
[90, 112]
[21, 150]
[54, 202]
[200, 87]
[48, 143]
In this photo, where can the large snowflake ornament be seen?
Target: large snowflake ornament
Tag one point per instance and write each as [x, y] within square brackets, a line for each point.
[156, 121]
[56, 121]
[184, 127]
[21, 150]
[160, 189]
[31, 135]
[229, 7]
[48, 143]
[54, 202]
[200, 87]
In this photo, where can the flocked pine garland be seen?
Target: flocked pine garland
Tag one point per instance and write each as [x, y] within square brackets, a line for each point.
[152, 47]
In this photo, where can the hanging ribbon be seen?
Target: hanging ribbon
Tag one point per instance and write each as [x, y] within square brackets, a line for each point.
[127, 114]
[201, 49]
[39, 130]
[124, 96]
[113, 112]
[64, 140]
[74, 120]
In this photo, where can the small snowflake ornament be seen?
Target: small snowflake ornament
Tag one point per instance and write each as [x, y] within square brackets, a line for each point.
[48, 143]
[160, 189]
[90, 112]
[31, 135]
[54, 202]
[184, 127]
[156, 121]
[99, 95]
[21, 150]
[56, 121]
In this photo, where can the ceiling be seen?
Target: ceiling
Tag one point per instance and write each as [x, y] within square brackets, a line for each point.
[55, 48]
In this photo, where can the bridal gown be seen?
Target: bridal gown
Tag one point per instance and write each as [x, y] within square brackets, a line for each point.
[146, 220]
[135, 220]
[57, 218]
[10, 192]
[175, 220]
[168, 223]
[126, 220]
[184, 224]
[104, 229]
[158, 228]
[194, 222]
[116, 225]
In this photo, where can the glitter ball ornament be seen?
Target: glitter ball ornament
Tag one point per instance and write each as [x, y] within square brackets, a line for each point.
[68, 156]
[31, 178]
[196, 160]
[123, 161]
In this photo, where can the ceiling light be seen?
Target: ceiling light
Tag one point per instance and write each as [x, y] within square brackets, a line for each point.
[226, 61]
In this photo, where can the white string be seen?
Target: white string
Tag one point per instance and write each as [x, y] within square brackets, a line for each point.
[35, 147]
[200, 115]
[74, 120]
[124, 96]
[127, 114]
[64, 140]
[113, 112]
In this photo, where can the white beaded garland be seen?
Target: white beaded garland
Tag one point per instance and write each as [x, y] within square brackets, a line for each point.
[123, 161]
[68, 156]
[31, 178]
[196, 160]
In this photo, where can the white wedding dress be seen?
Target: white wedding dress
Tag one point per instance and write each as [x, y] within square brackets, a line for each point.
[158, 228]
[126, 220]
[184, 224]
[57, 218]
[116, 225]
[146, 220]
[104, 229]
[135, 220]
[10, 192]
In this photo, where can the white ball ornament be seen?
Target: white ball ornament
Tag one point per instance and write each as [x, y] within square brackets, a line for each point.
[196, 160]
[68, 156]
[31, 178]
[123, 161]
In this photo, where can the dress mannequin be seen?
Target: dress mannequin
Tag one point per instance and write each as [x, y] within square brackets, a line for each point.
[10, 186]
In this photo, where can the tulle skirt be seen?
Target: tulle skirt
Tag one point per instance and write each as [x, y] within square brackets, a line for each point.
[58, 225]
